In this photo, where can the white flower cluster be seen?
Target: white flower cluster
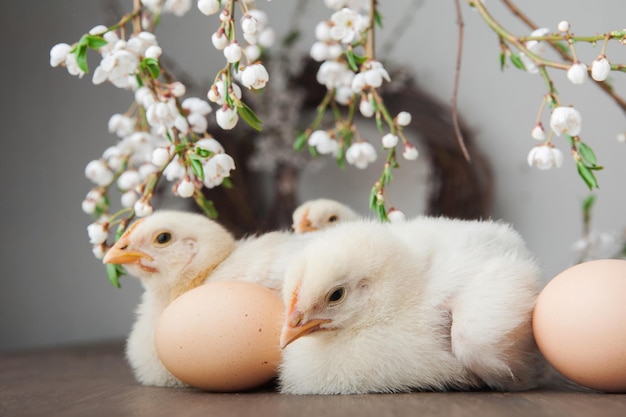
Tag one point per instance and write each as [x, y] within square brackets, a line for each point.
[335, 40]
[563, 120]
[254, 76]
[176, 7]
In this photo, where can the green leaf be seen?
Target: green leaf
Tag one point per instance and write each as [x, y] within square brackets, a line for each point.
[81, 57]
[351, 60]
[114, 272]
[139, 80]
[197, 168]
[387, 177]
[301, 140]
[588, 203]
[152, 66]
[381, 211]
[587, 153]
[227, 183]
[291, 38]
[517, 61]
[373, 198]
[95, 42]
[203, 153]
[378, 18]
[562, 46]
[249, 116]
[587, 175]
[502, 61]
[207, 206]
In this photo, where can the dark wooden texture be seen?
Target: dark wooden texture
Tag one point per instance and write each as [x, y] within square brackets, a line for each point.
[94, 381]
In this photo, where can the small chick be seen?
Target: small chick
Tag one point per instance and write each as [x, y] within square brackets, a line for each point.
[428, 304]
[319, 214]
[172, 252]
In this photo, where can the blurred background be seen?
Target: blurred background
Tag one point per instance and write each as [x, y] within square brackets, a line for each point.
[53, 291]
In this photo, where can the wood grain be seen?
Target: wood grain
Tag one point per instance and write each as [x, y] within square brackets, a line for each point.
[96, 381]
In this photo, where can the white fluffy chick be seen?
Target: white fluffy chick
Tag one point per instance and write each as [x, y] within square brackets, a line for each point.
[172, 252]
[429, 304]
[319, 214]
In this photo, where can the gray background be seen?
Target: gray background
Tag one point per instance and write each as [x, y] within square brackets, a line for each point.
[53, 291]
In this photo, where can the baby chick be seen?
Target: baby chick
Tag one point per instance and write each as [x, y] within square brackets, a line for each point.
[429, 304]
[319, 214]
[172, 252]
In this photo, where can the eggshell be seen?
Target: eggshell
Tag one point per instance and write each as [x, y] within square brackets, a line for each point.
[579, 323]
[222, 336]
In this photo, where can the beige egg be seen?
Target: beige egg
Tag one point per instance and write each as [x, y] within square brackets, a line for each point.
[222, 336]
[579, 323]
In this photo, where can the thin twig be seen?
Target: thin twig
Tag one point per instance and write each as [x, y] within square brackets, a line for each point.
[457, 74]
[603, 85]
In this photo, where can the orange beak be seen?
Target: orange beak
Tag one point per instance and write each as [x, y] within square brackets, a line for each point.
[119, 254]
[295, 327]
[305, 224]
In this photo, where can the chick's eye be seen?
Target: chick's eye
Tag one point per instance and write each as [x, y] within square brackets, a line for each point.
[163, 238]
[333, 219]
[336, 295]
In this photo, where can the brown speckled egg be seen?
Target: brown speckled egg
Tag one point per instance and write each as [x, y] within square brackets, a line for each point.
[579, 323]
[222, 336]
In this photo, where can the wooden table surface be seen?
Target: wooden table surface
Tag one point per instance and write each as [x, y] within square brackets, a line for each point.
[92, 381]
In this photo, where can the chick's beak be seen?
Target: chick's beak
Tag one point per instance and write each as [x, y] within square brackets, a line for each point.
[295, 327]
[119, 254]
[305, 224]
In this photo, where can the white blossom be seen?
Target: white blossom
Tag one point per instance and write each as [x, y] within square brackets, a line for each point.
[98, 233]
[334, 74]
[217, 168]
[128, 180]
[217, 93]
[98, 173]
[254, 76]
[177, 7]
[89, 206]
[538, 132]
[577, 73]
[396, 216]
[249, 24]
[185, 188]
[142, 208]
[253, 52]
[409, 152]
[319, 51]
[129, 198]
[566, 120]
[390, 140]
[538, 47]
[59, 53]
[251, 38]
[366, 108]
[177, 89]
[545, 157]
[323, 143]
[196, 105]
[403, 118]
[211, 145]
[144, 97]
[98, 251]
[600, 69]
[372, 75]
[162, 115]
[121, 125]
[153, 52]
[226, 117]
[232, 52]
[219, 40]
[347, 25]
[322, 32]
[361, 154]
[267, 38]
[563, 26]
[174, 170]
[72, 66]
[208, 7]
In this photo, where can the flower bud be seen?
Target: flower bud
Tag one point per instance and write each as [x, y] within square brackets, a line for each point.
[185, 188]
[366, 108]
[153, 52]
[566, 120]
[600, 69]
[409, 152]
[219, 40]
[233, 52]
[226, 117]
[577, 73]
[538, 133]
[254, 76]
[395, 215]
[390, 141]
[142, 208]
[403, 118]
[97, 233]
[563, 26]
[208, 7]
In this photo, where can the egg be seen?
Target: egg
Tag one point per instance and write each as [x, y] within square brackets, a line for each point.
[222, 336]
[579, 323]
